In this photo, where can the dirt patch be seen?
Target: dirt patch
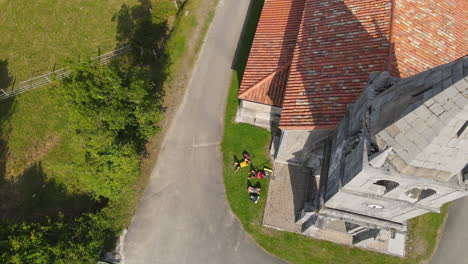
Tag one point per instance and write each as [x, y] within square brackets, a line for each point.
[419, 247]
[269, 232]
[33, 154]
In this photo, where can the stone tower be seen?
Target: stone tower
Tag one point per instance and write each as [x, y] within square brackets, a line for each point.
[402, 146]
[401, 151]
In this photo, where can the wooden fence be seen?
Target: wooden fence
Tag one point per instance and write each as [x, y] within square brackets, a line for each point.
[47, 78]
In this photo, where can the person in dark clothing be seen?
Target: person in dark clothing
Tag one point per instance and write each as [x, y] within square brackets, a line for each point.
[254, 193]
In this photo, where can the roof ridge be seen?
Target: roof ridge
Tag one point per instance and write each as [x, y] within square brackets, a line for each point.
[262, 81]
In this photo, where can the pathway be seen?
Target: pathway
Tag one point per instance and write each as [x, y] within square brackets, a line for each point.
[453, 245]
[183, 216]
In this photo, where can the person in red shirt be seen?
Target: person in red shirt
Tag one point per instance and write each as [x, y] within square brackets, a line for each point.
[261, 174]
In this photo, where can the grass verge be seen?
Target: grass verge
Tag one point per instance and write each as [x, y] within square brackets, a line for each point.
[182, 49]
[292, 247]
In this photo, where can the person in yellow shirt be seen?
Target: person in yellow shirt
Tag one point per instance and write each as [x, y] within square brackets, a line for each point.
[241, 164]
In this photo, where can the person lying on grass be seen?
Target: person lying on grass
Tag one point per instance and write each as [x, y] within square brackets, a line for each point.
[261, 174]
[242, 164]
[254, 193]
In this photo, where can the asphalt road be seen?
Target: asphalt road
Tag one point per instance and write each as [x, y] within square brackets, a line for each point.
[183, 216]
[453, 245]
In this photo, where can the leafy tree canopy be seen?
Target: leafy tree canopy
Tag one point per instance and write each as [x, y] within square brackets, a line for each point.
[114, 109]
[114, 99]
[66, 241]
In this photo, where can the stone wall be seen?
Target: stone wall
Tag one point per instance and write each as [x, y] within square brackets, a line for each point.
[302, 147]
[261, 115]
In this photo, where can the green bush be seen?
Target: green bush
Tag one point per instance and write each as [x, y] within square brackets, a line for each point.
[113, 111]
[77, 240]
[162, 10]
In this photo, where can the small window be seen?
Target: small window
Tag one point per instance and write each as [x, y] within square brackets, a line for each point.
[389, 185]
[374, 206]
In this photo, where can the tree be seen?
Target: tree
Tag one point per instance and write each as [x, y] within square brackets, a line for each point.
[73, 240]
[114, 109]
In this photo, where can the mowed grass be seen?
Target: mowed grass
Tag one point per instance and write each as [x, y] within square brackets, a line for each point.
[239, 138]
[177, 44]
[37, 135]
[36, 35]
[292, 247]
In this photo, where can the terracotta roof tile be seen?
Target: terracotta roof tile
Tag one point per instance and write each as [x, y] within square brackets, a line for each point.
[427, 33]
[270, 90]
[333, 45]
[339, 43]
[271, 52]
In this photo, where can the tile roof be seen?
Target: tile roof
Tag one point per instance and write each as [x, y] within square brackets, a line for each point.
[427, 33]
[266, 71]
[270, 90]
[313, 57]
[339, 43]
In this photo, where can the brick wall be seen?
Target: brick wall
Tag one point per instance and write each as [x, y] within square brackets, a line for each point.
[427, 33]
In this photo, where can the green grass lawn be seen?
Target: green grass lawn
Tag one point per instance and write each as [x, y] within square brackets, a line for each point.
[38, 34]
[292, 247]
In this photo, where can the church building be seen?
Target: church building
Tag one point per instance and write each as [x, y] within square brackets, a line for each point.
[367, 102]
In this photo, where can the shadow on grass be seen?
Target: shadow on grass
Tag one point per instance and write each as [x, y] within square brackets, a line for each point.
[6, 110]
[256, 185]
[5, 78]
[32, 196]
[145, 28]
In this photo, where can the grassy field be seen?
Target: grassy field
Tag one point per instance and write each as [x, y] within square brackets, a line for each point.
[36, 35]
[33, 43]
[293, 247]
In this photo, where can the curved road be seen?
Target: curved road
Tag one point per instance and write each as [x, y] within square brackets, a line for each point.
[453, 245]
[183, 216]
